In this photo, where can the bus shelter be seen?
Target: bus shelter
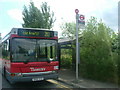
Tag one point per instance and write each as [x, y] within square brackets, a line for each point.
[67, 44]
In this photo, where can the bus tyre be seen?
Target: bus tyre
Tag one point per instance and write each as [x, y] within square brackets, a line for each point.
[5, 75]
[3, 71]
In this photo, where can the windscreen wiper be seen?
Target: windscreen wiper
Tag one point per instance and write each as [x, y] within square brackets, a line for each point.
[26, 61]
[48, 61]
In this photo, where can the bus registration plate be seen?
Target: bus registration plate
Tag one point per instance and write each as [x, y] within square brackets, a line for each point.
[37, 79]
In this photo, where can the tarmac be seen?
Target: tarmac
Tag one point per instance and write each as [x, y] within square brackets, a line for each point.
[69, 77]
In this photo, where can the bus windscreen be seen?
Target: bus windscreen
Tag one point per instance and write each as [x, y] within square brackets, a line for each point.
[33, 50]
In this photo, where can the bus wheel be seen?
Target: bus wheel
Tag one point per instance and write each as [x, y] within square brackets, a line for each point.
[5, 75]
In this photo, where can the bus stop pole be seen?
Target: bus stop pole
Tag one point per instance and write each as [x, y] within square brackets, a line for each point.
[77, 16]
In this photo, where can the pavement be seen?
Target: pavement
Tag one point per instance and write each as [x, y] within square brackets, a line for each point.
[68, 76]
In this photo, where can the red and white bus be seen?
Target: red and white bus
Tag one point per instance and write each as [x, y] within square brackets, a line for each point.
[30, 54]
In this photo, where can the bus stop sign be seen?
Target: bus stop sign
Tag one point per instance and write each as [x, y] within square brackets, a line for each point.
[82, 17]
[81, 21]
[76, 11]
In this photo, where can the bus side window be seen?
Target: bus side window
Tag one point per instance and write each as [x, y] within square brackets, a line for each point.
[5, 50]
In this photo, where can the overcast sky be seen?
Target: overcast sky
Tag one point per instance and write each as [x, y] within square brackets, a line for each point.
[64, 10]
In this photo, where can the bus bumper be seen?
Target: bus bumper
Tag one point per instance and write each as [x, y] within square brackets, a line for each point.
[33, 77]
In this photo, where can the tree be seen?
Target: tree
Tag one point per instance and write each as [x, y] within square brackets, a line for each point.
[38, 18]
[68, 30]
[47, 16]
[97, 57]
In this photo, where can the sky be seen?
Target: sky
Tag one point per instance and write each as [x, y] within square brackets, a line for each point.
[64, 10]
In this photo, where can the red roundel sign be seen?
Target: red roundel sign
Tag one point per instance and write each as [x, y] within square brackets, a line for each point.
[76, 11]
[82, 17]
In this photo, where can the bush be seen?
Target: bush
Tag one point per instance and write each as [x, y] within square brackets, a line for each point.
[66, 61]
[97, 59]
[98, 66]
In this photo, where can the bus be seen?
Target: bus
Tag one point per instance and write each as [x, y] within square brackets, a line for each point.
[30, 54]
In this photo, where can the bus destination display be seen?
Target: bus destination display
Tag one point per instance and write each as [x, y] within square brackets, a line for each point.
[35, 33]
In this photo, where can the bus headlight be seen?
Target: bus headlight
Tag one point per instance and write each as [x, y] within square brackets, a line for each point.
[12, 74]
[56, 67]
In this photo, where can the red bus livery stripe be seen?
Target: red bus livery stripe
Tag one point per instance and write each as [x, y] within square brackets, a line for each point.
[14, 35]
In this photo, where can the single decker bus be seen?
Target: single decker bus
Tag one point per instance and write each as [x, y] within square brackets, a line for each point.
[30, 54]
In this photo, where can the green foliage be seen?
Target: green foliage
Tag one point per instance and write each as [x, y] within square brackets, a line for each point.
[68, 30]
[98, 51]
[38, 18]
[47, 16]
[66, 58]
